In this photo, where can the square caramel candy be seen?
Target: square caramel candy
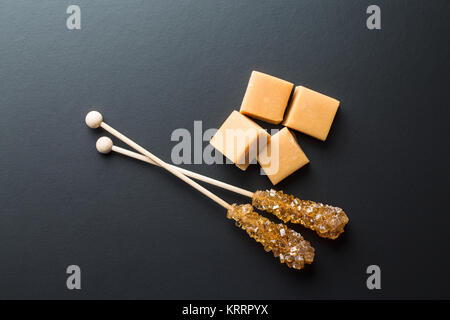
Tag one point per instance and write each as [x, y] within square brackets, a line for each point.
[311, 112]
[282, 157]
[266, 97]
[238, 139]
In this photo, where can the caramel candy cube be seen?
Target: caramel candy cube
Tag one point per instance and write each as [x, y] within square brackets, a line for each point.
[311, 112]
[282, 157]
[266, 97]
[237, 139]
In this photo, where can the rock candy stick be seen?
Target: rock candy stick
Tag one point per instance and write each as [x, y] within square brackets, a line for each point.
[285, 243]
[327, 221]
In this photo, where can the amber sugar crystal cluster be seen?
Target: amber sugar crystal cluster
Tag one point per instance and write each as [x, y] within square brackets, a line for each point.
[327, 221]
[286, 244]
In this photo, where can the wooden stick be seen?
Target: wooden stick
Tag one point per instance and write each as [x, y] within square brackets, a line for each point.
[105, 145]
[94, 120]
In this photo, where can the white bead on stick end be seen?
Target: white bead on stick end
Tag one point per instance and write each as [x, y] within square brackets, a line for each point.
[94, 119]
[104, 145]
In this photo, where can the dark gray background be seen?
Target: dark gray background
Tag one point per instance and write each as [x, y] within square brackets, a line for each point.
[153, 66]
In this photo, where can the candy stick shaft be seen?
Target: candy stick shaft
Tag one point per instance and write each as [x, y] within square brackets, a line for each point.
[164, 165]
[188, 173]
